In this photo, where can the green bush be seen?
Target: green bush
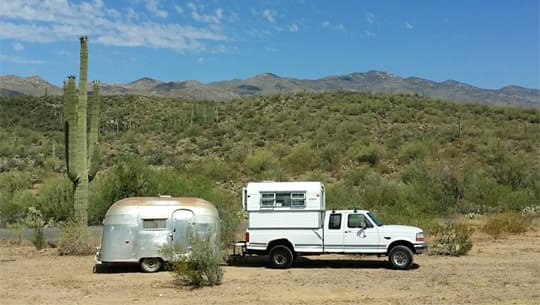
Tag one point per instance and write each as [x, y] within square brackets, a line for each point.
[202, 266]
[507, 223]
[452, 240]
[370, 153]
[260, 161]
[55, 199]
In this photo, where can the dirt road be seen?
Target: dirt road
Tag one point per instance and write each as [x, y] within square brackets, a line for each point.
[500, 272]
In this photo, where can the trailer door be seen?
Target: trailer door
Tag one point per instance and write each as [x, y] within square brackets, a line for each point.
[183, 223]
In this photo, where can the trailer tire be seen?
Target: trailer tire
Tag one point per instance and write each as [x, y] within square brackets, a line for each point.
[281, 257]
[150, 264]
[401, 257]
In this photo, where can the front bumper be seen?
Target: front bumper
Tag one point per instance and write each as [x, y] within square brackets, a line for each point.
[420, 248]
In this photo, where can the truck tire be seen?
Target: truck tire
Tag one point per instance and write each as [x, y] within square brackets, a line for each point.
[150, 264]
[281, 257]
[401, 257]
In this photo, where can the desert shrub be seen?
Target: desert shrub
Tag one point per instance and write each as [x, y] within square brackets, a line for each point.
[55, 200]
[514, 171]
[507, 223]
[14, 206]
[452, 240]
[260, 161]
[412, 151]
[35, 221]
[531, 210]
[302, 158]
[15, 196]
[202, 266]
[18, 229]
[76, 240]
[371, 153]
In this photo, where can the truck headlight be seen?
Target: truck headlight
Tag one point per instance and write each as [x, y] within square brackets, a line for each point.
[420, 236]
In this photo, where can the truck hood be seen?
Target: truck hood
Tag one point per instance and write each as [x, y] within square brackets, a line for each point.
[399, 229]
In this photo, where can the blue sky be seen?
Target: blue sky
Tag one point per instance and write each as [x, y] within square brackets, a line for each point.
[490, 44]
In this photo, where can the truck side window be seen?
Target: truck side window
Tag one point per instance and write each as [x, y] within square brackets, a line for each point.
[358, 221]
[334, 223]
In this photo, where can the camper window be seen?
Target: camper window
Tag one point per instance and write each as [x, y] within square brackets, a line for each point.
[283, 199]
[298, 199]
[154, 224]
[268, 199]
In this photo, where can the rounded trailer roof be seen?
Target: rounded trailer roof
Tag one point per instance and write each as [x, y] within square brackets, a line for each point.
[135, 204]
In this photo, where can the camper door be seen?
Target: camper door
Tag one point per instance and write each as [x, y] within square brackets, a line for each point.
[183, 223]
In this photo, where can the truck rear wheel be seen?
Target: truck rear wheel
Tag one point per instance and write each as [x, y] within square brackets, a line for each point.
[281, 257]
[401, 257]
[150, 264]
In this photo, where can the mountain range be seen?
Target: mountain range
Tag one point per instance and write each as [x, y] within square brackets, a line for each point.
[268, 83]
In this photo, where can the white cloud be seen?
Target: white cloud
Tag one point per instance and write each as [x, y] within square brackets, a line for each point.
[132, 14]
[198, 14]
[336, 27]
[370, 18]
[179, 9]
[369, 33]
[153, 7]
[269, 15]
[61, 20]
[293, 28]
[408, 26]
[18, 46]
[20, 60]
[200, 60]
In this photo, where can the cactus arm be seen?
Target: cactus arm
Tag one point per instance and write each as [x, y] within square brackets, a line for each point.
[70, 125]
[93, 132]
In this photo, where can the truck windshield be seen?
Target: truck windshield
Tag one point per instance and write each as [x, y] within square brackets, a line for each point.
[375, 220]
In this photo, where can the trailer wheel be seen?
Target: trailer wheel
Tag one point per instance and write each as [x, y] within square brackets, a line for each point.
[401, 257]
[150, 264]
[281, 257]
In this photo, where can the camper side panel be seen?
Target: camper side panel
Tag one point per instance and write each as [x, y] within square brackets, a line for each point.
[285, 219]
[303, 240]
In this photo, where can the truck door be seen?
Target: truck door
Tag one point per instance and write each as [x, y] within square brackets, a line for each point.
[333, 234]
[360, 234]
[183, 223]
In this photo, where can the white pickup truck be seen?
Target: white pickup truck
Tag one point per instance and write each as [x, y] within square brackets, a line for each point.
[287, 219]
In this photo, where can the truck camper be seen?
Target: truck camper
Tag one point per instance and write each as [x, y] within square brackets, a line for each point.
[288, 219]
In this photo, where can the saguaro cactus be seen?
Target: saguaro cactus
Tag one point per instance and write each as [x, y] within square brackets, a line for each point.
[81, 125]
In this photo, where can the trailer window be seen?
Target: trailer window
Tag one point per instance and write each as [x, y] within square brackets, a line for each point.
[334, 223]
[154, 224]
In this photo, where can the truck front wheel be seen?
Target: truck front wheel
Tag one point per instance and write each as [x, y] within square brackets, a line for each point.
[281, 257]
[401, 257]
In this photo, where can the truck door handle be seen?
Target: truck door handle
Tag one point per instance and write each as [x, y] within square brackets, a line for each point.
[347, 231]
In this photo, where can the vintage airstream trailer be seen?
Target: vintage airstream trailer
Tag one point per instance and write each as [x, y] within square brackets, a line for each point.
[136, 230]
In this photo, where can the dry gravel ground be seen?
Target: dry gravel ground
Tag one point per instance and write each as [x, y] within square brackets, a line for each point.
[495, 272]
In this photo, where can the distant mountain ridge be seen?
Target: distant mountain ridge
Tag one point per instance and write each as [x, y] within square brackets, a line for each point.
[269, 83]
